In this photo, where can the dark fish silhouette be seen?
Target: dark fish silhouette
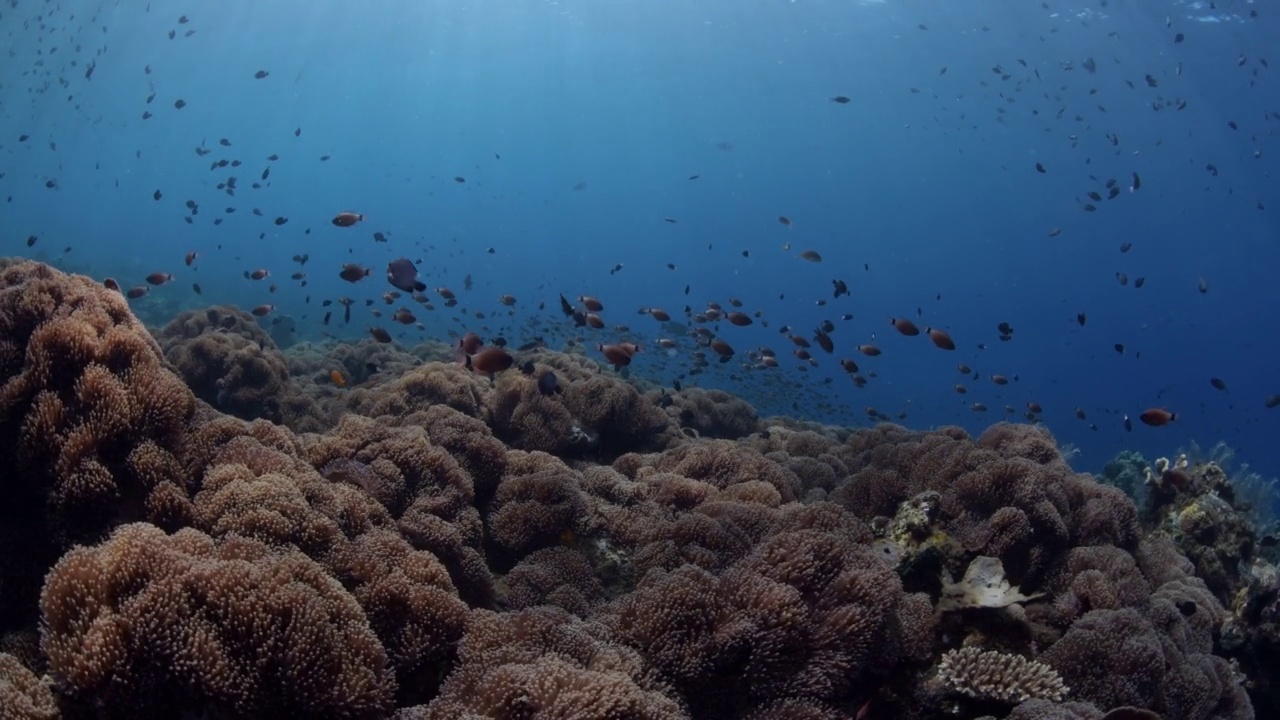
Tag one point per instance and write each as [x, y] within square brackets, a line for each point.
[403, 275]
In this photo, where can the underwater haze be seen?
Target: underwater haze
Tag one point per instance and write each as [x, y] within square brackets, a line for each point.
[1082, 196]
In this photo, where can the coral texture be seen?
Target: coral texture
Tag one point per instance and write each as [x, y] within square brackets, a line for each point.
[361, 530]
[994, 675]
[156, 623]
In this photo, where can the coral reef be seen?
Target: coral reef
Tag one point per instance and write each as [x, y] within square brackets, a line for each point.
[251, 536]
[153, 623]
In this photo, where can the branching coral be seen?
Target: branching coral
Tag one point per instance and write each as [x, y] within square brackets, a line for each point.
[994, 675]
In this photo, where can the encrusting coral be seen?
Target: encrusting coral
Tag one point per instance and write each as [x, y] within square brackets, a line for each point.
[421, 541]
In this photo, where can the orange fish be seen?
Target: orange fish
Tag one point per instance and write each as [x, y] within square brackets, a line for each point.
[404, 317]
[470, 344]
[904, 326]
[489, 360]
[191, 258]
[262, 310]
[347, 219]
[257, 274]
[740, 319]
[656, 313]
[337, 378]
[618, 355]
[136, 292]
[590, 303]
[380, 335]
[1155, 417]
[594, 321]
[941, 338]
[111, 284]
[159, 278]
[869, 350]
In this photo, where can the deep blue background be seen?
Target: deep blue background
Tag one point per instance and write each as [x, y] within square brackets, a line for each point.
[935, 190]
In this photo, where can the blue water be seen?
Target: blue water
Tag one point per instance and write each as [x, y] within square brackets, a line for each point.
[924, 201]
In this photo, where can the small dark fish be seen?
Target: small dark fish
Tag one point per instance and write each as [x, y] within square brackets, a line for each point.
[549, 384]
[1218, 384]
[824, 341]
[1126, 247]
[179, 103]
[1080, 318]
[811, 256]
[403, 275]
[840, 288]
[1177, 39]
[842, 99]
[136, 292]
[784, 220]
[1272, 402]
[354, 273]
[533, 344]
[31, 240]
[1203, 286]
[156, 195]
[459, 179]
[1040, 169]
[261, 74]
[379, 334]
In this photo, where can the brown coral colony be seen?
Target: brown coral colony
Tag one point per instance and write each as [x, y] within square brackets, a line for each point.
[205, 523]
